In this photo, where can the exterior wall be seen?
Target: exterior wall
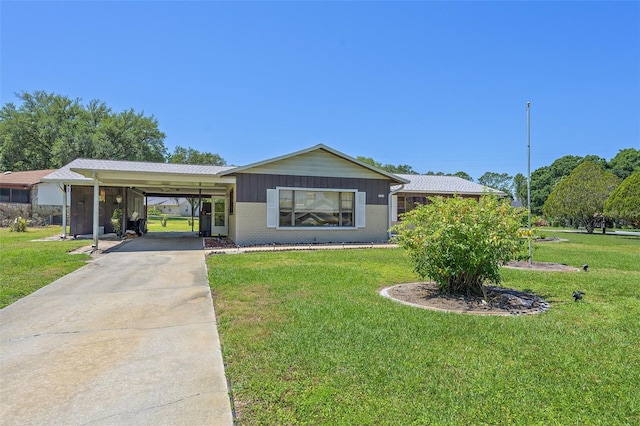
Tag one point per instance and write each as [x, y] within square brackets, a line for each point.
[48, 194]
[231, 209]
[252, 188]
[81, 221]
[252, 218]
[315, 163]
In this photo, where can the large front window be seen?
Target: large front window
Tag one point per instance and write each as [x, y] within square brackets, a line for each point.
[305, 208]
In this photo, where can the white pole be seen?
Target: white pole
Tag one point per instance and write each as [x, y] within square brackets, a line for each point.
[96, 209]
[529, 177]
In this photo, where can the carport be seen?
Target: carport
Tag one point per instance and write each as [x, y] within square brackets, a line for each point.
[108, 184]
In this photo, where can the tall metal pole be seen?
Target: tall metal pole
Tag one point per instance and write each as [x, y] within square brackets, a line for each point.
[529, 176]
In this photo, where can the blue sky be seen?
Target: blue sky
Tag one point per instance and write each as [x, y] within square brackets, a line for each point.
[440, 86]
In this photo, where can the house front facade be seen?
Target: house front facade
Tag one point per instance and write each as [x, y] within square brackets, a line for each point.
[317, 195]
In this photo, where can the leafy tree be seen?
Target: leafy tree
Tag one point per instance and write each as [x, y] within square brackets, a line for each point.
[48, 131]
[182, 155]
[544, 179]
[193, 156]
[400, 168]
[624, 201]
[581, 195]
[460, 242]
[625, 163]
[463, 175]
[520, 188]
[459, 174]
[500, 181]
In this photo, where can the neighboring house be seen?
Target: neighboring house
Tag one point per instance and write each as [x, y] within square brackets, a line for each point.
[172, 206]
[421, 187]
[316, 195]
[24, 194]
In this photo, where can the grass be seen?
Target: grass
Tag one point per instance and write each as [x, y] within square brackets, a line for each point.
[307, 340]
[27, 265]
[174, 224]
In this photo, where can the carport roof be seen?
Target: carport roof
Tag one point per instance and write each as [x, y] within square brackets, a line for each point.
[149, 177]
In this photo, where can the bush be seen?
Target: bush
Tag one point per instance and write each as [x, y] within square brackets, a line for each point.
[163, 221]
[18, 225]
[153, 211]
[116, 221]
[460, 243]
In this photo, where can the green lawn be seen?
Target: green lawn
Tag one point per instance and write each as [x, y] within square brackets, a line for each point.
[27, 265]
[174, 224]
[307, 340]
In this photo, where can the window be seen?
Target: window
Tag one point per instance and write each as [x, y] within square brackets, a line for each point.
[311, 208]
[315, 208]
[407, 203]
[12, 195]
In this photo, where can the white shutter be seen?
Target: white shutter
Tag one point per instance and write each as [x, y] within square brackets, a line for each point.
[394, 208]
[272, 208]
[361, 209]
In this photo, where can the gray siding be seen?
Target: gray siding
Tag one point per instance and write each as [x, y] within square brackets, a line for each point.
[252, 188]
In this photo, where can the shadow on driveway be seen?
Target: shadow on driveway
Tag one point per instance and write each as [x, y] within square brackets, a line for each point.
[161, 241]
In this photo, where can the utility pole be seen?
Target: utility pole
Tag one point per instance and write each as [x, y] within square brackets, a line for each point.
[529, 176]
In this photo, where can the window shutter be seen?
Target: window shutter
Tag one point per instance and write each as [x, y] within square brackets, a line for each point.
[272, 208]
[394, 208]
[361, 209]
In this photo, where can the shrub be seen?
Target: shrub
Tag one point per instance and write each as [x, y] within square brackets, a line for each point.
[18, 225]
[116, 221]
[163, 221]
[153, 211]
[460, 242]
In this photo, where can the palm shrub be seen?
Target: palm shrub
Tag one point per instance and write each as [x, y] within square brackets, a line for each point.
[460, 243]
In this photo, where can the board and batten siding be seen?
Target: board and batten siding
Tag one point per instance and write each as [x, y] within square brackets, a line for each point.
[252, 188]
[315, 163]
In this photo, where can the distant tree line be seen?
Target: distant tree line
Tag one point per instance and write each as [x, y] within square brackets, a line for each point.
[48, 131]
[543, 180]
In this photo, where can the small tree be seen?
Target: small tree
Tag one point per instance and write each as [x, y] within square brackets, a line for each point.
[624, 202]
[581, 195]
[460, 242]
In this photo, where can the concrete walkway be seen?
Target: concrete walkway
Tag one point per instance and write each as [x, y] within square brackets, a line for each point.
[130, 338]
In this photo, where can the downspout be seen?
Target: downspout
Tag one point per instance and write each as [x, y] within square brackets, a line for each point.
[390, 208]
[63, 188]
[96, 209]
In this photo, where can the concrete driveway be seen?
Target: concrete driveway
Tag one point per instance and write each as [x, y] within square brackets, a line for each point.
[130, 338]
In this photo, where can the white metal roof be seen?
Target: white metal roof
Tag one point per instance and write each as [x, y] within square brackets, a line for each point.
[431, 184]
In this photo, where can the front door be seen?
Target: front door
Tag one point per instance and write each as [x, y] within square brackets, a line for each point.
[219, 225]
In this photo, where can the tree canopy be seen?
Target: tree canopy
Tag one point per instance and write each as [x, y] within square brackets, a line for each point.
[500, 181]
[193, 156]
[400, 168]
[624, 202]
[625, 163]
[520, 188]
[581, 195]
[48, 131]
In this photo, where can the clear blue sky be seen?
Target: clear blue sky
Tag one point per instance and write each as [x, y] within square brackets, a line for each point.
[440, 86]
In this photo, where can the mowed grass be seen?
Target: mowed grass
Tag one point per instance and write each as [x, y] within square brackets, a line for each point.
[307, 340]
[27, 265]
[174, 224]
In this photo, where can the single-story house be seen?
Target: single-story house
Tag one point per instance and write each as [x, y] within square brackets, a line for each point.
[24, 194]
[316, 195]
[172, 206]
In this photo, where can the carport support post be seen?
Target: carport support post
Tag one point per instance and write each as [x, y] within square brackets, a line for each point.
[96, 209]
[63, 188]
